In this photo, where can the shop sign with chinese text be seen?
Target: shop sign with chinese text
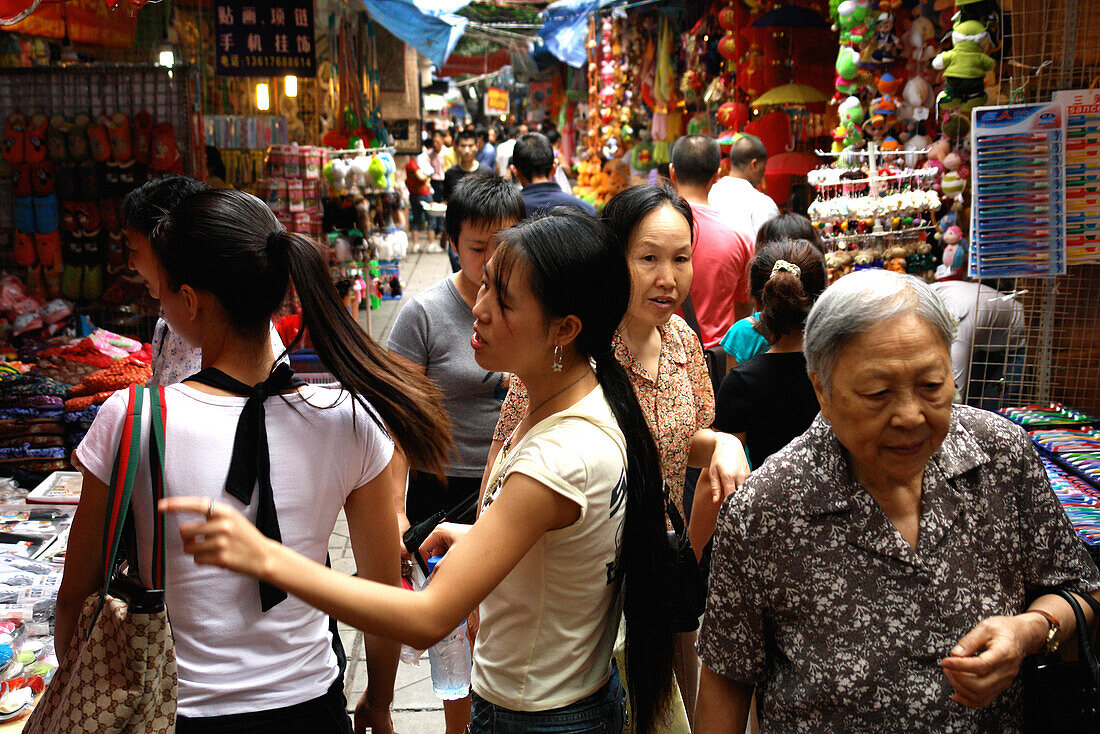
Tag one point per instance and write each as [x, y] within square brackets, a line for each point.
[496, 101]
[264, 38]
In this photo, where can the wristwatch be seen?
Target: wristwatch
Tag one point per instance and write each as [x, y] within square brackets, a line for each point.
[1052, 633]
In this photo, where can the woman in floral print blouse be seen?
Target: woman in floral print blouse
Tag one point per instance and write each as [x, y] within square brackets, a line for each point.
[664, 361]
[890, 568]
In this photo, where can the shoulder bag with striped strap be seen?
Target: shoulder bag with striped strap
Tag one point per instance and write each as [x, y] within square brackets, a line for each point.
[119, 674]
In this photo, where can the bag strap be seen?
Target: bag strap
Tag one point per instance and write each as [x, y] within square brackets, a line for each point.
[688, 309]
[1084, 648]
[675, 518]
[121, 487]
[156, 469]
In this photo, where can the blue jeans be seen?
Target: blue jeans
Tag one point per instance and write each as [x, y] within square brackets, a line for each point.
[604, 712]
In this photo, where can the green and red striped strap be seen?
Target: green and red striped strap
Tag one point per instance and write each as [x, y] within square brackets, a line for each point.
[124, 475]
[156, 468]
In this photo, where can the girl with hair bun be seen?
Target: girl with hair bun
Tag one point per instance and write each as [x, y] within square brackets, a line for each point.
[249, 437]
[571, 531]
[769, 400]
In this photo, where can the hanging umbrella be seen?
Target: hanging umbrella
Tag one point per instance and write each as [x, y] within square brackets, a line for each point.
[793, 164]
[789, 94]
[790, 16]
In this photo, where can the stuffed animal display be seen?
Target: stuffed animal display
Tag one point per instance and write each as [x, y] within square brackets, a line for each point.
[906, 80]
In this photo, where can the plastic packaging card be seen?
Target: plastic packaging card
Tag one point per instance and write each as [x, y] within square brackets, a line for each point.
[1018, 223]
[1081, 108]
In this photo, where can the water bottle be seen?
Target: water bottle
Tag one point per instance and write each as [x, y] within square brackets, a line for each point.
[450, 659]
[410, 655]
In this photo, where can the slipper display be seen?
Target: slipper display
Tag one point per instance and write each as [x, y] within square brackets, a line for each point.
[87, 216]
[36, 284]
[98, 141]
[110, 180]
[48, 248]
[66, 181]
[72, 248]
[127, 177]
[71, 280]
[68, 221]
[24, 254]
[143, 137]
[110, 214]
[88, 181]
[165, 152]
[21, 179]
[52, 276]
[24, 215]
[116, 252]
[93, 247]
[92, 287]
[118, 132]
[34, 140]
[76, 139]
[55, 139]
[43, 178]
[11, 146]
[47, 217]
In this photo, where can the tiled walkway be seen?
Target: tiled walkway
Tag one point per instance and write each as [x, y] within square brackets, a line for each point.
[416, 710]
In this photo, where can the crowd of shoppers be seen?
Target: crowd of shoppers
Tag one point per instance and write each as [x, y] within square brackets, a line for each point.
[887, 564]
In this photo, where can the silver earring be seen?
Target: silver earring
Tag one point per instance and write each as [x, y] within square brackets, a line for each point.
[557, 358]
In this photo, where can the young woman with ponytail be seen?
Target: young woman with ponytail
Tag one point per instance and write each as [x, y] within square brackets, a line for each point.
[652, 227]
[248, 435]
[769, 400]
[571, 534]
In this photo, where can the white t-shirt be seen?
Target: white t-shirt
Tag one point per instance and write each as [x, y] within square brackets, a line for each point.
[548, 629]
[742, 205]
[232, 657]
[504, 156]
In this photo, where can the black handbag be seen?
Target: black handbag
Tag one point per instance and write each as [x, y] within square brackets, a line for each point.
[689, 588]
[715, 357]
[1059, 695]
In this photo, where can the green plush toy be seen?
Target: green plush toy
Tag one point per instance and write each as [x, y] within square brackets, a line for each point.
[964, 67]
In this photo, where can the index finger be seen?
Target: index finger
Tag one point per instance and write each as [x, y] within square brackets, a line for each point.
[197, 505]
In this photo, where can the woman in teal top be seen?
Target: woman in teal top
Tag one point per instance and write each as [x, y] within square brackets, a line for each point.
[743, 341]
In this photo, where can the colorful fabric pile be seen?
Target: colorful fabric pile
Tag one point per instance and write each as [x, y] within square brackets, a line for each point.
[48, 402]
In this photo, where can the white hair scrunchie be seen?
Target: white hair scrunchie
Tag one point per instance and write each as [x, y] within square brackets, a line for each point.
[784, 265]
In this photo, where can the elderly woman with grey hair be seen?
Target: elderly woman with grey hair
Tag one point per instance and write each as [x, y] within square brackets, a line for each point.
[891, 567]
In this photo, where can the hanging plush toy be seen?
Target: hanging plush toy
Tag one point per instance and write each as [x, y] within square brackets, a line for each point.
[847, 73]
[881, 47]
[964, 67]
[886, 104]
[851, 112]
[954, 254]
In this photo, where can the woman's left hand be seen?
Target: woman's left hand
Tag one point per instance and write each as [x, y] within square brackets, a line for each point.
[729, 467]
[224, 537]
[986, 660]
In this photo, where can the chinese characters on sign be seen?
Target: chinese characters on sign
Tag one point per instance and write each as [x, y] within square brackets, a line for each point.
[496, 101]
[264, 38]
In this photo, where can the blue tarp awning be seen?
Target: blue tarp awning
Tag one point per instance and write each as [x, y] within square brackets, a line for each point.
[565, 29]
[429, 26]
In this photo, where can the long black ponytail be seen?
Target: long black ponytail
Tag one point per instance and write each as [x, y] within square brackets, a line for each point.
[575, 268]
[228, 243]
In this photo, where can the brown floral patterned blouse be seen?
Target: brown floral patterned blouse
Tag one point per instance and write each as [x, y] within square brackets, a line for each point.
[677, 404]
[817, 600]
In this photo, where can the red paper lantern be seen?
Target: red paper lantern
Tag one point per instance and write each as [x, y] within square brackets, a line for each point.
[727, 47]
[727, 18]
[733, 115]
[774, 131]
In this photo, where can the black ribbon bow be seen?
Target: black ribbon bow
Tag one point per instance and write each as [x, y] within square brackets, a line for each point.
[251, 462]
